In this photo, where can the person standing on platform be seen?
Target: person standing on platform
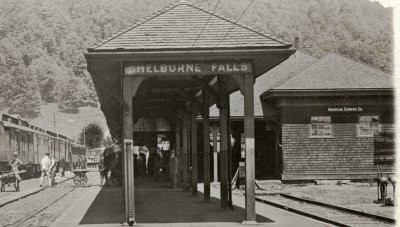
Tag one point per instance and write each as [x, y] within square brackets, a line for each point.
[45, 165]
[103, 170]
[150, 162]
[15, 163]
[61, 166]
[142, 164]
[173, 169]
[53, 166]
[157, 165]
[82, 163]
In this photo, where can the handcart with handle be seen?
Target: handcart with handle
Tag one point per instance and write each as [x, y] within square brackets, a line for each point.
[8, 178]
[80, 178]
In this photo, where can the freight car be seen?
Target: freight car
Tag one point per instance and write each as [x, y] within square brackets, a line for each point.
[32, 143]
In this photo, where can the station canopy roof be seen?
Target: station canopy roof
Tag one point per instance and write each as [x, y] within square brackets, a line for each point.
[185, 26]
[178, 34]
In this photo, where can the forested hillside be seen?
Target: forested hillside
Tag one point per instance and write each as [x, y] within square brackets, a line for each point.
[42, 42]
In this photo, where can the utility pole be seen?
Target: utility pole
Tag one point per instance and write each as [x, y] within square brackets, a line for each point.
[54, 121]
[84, 137]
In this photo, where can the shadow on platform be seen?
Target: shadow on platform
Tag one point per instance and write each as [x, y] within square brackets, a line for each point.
[107, 208]
[157, 203]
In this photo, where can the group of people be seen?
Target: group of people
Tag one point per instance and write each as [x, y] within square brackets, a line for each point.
[48, 169]
[47, 166]
[159, 163]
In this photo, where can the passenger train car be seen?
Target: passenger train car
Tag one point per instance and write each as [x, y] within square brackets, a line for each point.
[32, 143]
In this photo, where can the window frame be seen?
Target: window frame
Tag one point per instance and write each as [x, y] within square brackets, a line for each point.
[358, 125]
[310, 129]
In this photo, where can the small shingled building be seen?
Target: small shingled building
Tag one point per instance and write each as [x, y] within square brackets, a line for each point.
[329, 116]
[317, 119]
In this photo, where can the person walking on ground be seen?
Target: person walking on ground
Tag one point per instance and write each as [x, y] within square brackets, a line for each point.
[82, 162]
[173, 169]
[45, 166]
[53, 167]
[61, 166]
[15, 163]
[103, 171]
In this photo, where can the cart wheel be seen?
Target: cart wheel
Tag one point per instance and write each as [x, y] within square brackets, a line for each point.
[77, 179]
[84, 179]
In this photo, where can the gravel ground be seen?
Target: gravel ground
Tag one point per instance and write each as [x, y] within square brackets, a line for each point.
[358, 196]
[23, 208]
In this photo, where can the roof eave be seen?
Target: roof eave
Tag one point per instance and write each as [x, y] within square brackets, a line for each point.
[157, 54]
[274, 93]
[99, 49]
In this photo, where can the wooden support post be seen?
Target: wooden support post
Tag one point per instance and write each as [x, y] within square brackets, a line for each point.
[185, 151]
[249, 141]
[224, 139]
[130, 86]
[229, 155]
[178, 146]
[206, 145]
[214, 130]
[131, 187]
[193, 136]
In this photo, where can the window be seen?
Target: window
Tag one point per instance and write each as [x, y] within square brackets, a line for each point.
[368, 126]
[321, 126]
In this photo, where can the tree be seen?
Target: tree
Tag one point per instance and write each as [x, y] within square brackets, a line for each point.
[92, 134]
[70, 95]
[48, 38]
[19, 92]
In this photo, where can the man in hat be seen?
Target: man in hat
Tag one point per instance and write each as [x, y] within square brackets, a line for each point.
[45, 166]
[173, 169]
[15, 163]
[103, 170]
[53, 167]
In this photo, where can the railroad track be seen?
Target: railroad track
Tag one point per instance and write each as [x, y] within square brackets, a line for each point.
[23, 220]
[37, 214]
[42, 189]
[331, 214]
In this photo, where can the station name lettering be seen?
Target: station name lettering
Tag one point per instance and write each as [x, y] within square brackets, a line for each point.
[187, 68]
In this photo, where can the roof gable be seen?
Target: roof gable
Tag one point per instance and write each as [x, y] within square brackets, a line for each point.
[186, 26]
[277, 75]
[334, 71]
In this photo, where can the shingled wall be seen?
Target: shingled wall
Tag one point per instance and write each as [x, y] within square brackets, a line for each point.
[345, 156]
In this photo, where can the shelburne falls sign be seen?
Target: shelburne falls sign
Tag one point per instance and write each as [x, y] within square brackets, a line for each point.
[188, 68]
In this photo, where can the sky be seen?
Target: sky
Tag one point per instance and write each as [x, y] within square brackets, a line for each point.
[387, 3]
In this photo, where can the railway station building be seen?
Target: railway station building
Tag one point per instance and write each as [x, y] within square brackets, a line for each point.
[173, 66]
[187, 72]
